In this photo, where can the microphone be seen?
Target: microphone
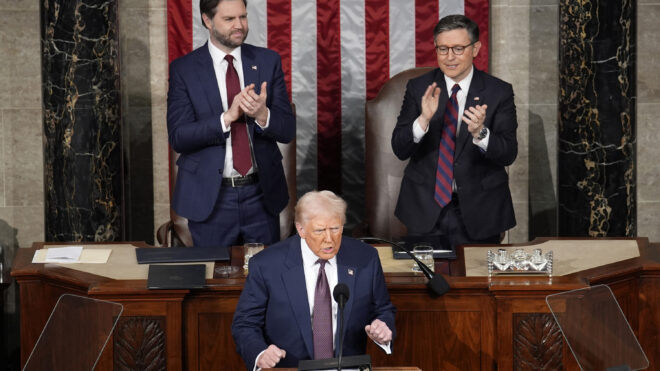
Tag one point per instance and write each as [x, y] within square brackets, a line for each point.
[436, 284]
[362, 362]
[341, 294]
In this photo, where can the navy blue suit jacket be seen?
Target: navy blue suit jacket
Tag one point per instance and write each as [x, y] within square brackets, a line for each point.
[194, 107]
[273, 307]
[482, 181]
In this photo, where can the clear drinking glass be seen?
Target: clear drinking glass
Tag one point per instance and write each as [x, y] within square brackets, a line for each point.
[249, 250]
[425, 254]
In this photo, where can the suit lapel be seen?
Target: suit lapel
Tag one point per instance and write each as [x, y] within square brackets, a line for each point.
[293, 278]
[345, 274]
[474, 91]
[207, 80]
[437, 122]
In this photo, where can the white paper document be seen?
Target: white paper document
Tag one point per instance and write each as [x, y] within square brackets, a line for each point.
[66, 254]
[93, 256]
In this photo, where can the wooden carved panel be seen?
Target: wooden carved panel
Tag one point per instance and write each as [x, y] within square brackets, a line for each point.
[139, 344]
[537, 342]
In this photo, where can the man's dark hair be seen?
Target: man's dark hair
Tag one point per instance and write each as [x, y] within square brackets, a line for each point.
[208, 7]
[455, 22]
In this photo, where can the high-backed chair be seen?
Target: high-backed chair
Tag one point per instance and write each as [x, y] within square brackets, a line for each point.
[384, 170]
[175, 232]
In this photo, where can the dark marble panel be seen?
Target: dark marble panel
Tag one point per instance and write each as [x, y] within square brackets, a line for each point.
[596, 134]
[82, 121]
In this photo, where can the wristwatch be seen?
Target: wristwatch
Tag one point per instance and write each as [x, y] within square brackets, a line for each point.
[482, 133]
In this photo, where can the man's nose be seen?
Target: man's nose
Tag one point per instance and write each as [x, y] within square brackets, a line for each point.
[327, 234]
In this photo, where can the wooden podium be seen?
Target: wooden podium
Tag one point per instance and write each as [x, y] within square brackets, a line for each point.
[482, 323]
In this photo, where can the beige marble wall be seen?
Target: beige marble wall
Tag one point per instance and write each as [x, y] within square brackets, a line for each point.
[159, 69]
[21, 147]
[143, 26]
[524, 39]
[648, 112]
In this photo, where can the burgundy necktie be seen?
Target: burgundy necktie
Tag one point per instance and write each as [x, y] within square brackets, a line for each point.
[444, 175]
[322, 317]
[240, 145]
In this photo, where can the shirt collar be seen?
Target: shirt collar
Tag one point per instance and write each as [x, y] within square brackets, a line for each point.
[464, 84]
[218, 55]
[309, 258]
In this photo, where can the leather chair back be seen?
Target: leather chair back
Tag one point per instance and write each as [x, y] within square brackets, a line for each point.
[384, 170]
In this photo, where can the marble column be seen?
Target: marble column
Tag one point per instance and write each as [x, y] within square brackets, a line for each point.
[596, 133]
[82, 121]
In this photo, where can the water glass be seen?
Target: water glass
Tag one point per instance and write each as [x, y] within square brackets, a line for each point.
[249, 250]
[425, 254]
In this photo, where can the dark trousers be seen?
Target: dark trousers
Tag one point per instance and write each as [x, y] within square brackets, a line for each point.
[239, 216]
[450, 224]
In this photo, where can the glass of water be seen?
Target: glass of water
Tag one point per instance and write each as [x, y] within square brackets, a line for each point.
[249, 250]
[425, 254]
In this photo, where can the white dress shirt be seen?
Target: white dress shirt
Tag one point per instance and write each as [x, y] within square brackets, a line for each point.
[220, 67]
[461, 96]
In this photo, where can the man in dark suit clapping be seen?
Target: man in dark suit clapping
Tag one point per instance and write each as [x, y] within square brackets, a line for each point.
[458, 128]
[227, 107]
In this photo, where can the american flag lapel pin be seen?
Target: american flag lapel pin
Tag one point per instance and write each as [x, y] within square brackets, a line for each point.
[350, 272]
[254, 67]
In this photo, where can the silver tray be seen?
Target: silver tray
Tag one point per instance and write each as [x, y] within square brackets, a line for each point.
[519, 262]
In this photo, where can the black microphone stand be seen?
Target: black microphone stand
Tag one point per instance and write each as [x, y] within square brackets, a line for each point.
[361, 361]
[341, 332]
[436, 283]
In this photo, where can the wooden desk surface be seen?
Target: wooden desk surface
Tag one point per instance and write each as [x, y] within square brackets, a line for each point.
[482, 323]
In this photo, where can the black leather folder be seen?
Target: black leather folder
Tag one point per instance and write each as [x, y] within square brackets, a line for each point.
[150, 255]
[177, 276]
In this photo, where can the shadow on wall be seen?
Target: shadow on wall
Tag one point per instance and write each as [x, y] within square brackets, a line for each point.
[542, 197]
[9, 328]
[137, 122]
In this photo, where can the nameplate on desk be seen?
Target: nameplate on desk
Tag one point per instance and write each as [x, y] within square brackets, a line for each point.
[190, 276]
[149, 255]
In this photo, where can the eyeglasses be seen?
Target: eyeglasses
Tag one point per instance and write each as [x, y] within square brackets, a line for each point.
[457, 50]
[333, 230]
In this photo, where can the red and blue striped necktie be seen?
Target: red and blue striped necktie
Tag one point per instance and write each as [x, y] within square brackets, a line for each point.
[444, 175]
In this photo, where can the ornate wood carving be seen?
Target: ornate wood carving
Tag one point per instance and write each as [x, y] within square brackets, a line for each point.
[537, 342]
[139, 344]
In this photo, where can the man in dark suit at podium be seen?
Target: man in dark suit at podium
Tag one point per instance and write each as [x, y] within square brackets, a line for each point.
[227, 108]
[286, 313]
[458, 128]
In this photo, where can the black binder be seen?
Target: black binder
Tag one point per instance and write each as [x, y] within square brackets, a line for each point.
[149, 255]
[181, 276]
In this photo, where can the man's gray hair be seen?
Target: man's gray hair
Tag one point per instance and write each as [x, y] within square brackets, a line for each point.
[316, 203]
[455, 22]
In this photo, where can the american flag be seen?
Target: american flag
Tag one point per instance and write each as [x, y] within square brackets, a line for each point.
[336, 55]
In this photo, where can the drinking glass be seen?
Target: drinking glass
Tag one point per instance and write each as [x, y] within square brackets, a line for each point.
[425, 254]
[249, 250]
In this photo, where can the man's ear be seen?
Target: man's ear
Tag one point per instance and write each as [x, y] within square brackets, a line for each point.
[301, 231]
[207, 21]
[475, 49]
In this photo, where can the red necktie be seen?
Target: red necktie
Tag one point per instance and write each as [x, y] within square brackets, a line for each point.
[444, 175]
[240, 146]
[322, 317]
